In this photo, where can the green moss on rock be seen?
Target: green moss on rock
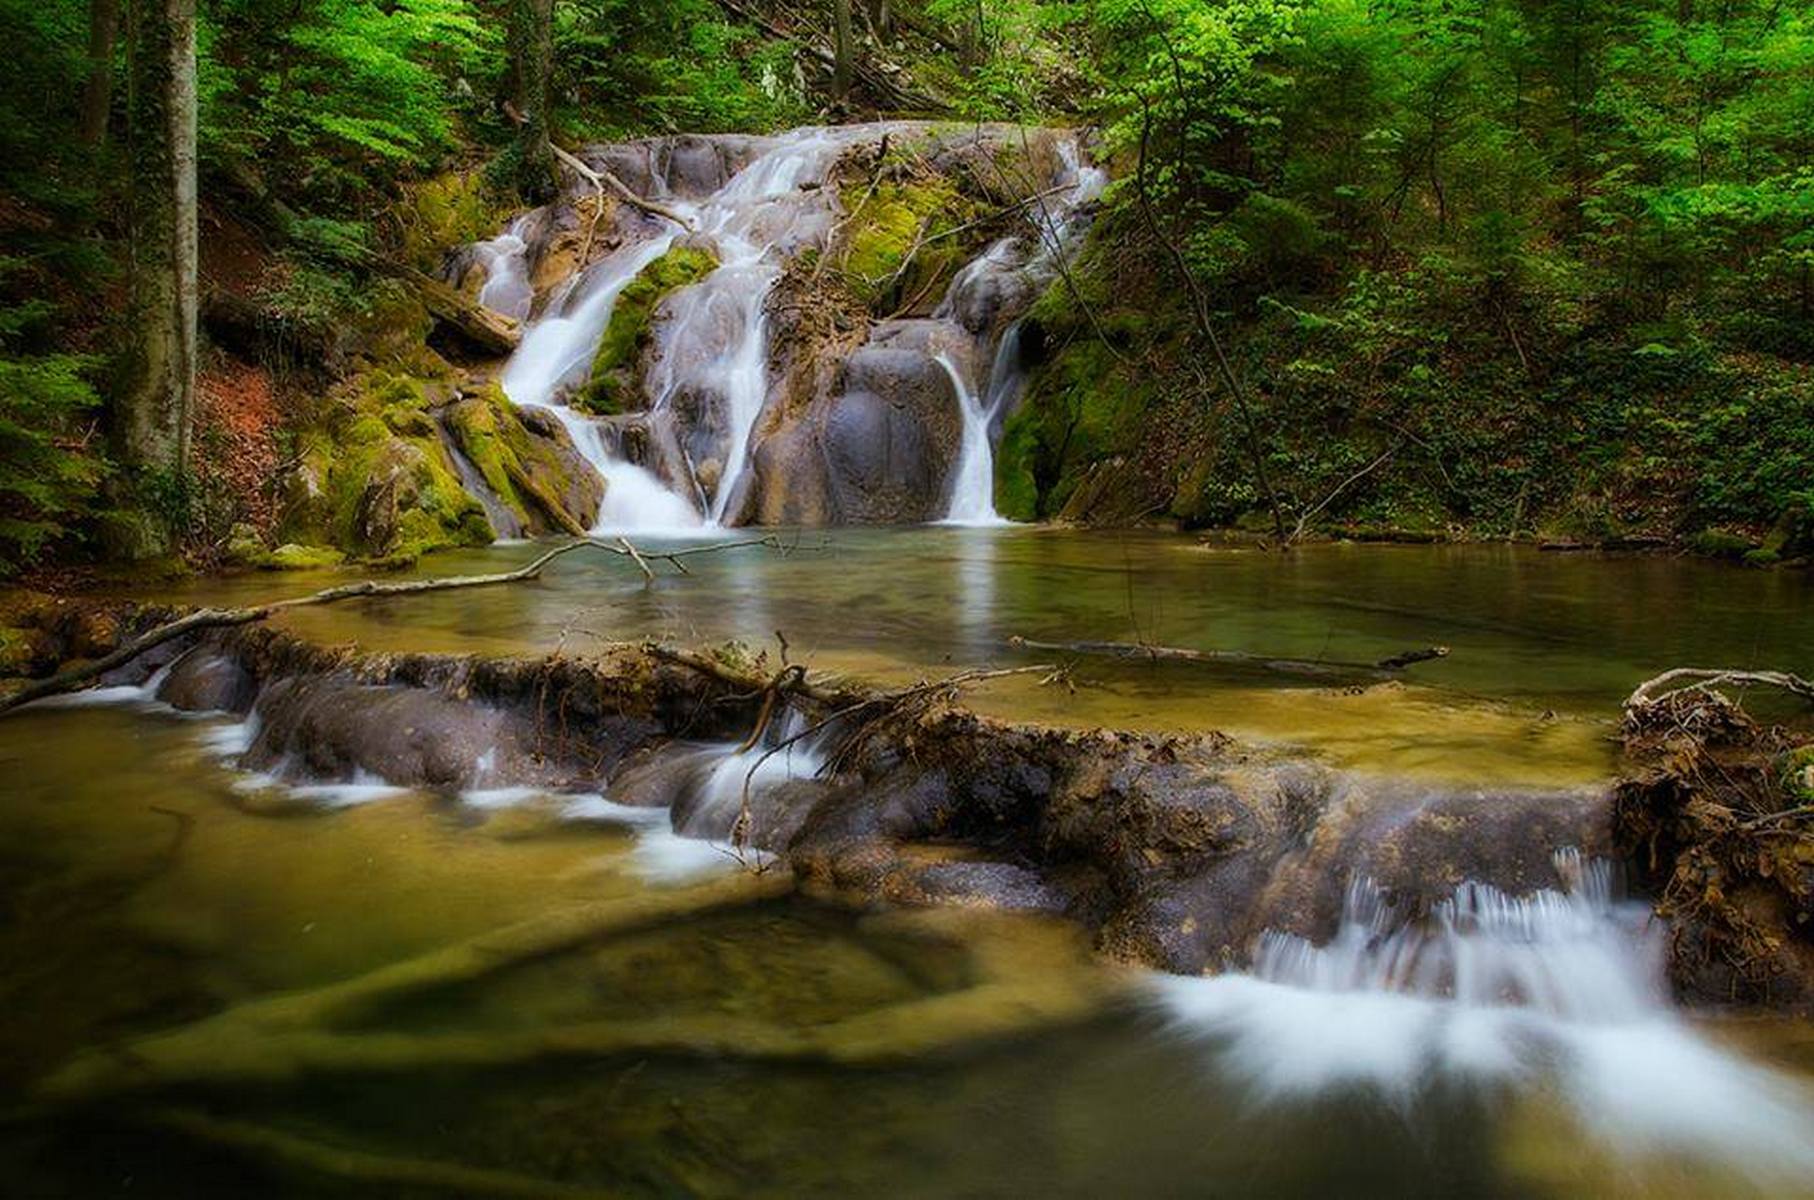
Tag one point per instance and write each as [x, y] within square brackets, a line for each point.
[884, 227]
[547, 490]
[293, 556]
[376, 481]
[612, 380]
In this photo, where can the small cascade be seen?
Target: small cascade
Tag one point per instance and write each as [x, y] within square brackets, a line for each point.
[505, 258]
[714, 350]
[973, 482]
[1563, 987]
[557, 351]
[972, 494]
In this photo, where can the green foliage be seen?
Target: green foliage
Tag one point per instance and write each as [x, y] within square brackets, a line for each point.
[631, 66]
[48, 473]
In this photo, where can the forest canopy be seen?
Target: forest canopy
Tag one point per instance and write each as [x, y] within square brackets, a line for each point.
[1550, 261]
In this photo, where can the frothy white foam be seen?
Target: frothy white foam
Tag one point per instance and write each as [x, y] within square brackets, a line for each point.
[1559, 986]
[661, 855]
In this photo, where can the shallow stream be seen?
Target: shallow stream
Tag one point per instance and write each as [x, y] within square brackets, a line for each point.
[790, 1048]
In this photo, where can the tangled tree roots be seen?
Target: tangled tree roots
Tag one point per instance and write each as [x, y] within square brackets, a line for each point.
[1719, 823]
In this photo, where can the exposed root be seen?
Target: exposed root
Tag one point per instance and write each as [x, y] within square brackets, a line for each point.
[1720, 826]
[1704, 679]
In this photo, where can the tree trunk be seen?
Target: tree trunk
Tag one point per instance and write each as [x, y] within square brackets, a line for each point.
[531, 38]
[882, 18]
[844, 49]
[156, 400]
[97, 93]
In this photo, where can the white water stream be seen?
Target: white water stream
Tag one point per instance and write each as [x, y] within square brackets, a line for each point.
[1558, 988]
[708, 379]
[972, 491]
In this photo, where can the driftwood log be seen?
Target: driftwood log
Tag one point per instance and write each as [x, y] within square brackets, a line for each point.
[1384, 667]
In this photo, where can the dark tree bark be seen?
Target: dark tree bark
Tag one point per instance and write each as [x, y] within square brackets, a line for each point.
[844, 49]
[154, 405]
[97, 93]
[531, 37]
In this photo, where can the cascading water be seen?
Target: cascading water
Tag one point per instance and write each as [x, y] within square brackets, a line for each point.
[715, 342]
[706, 377]
[506, 289]
[972, 494]
[973, 482]
[1561, 986]
[555, 353]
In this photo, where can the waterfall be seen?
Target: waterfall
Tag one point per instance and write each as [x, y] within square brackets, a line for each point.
[717, 341]
[705, 379]
[1561, 987]
[973, 482]
[507, 289]
[972, 493]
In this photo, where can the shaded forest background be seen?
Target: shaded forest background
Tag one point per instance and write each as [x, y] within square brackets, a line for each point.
[1535, 268]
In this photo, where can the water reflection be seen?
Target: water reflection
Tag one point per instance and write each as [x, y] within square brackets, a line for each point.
[1543, 646]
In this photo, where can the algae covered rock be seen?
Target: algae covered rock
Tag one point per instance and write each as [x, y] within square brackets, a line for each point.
[376, 480]
[613, 378]
[527, 461]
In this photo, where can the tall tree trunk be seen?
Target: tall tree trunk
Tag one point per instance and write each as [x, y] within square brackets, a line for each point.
[97, 93]
[882, 18]
[844, 60]
[531, 36]
[156, 402]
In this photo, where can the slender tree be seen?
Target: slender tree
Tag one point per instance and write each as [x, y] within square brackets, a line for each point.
[155, 403]
[97, 92]
[531, 37]
[845, 42]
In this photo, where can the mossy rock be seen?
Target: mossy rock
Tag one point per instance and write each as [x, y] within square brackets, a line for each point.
[451, 209]
[1718, 543]
[1081, 408]
[612, 382]
[293, 556]
[884, 226]
[376, 481]
[527, 462]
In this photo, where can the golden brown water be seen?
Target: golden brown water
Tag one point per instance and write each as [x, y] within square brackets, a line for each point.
[1544, 646]
[774, 1047]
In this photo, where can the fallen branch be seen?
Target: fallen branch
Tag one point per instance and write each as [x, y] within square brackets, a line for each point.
[1290, 666]
[1707, 678]
[1310, 514]
[601, 177]
[216, 618]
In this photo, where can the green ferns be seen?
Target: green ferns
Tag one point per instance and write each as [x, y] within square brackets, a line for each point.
[48, 474]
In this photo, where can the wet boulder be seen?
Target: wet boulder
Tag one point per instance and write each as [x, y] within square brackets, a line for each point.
[527, 460]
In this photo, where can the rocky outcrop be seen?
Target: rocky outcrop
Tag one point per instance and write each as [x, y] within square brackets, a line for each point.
[1175, 852]
[525, 460]
[1718, 823]
[875, 448]
[396, 466]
